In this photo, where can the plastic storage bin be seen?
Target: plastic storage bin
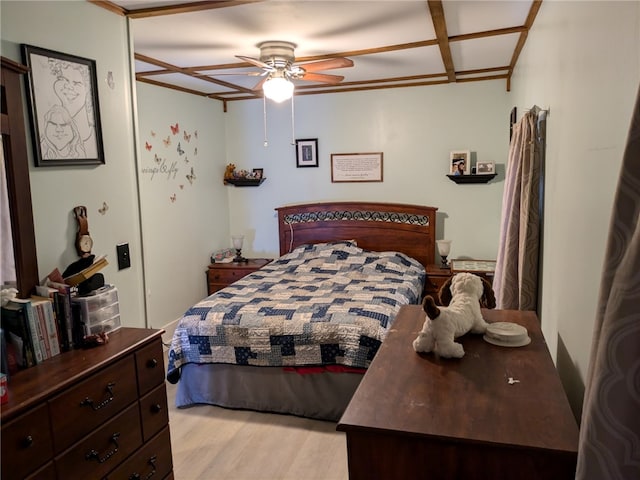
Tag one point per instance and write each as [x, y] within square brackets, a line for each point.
[100, 312]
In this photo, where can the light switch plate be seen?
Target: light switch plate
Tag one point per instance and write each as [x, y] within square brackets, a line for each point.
[123, 256]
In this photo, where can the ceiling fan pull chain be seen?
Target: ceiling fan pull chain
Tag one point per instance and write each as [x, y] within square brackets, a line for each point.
[264, 119]
[293, 123]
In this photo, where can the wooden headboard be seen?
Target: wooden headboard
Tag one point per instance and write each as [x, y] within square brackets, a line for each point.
[410, 229]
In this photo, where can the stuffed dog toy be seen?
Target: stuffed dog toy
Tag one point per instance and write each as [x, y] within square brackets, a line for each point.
[464, 293]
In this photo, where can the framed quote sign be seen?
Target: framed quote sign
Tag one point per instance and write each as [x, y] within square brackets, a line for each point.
[356, 167]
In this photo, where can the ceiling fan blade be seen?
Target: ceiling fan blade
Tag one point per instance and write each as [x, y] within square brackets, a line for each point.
[254, 61]
[238, 74]
[323, 77]
[258, 86]
[329, 64]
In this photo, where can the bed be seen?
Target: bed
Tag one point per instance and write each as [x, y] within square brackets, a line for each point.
[296, 336]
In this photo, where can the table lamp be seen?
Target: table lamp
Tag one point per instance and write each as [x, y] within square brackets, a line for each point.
[237, 244]
[444, 247]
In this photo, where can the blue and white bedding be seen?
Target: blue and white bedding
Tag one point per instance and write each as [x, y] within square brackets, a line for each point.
[323, 304]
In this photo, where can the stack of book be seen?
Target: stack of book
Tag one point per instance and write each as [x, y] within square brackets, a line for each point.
[37, 328]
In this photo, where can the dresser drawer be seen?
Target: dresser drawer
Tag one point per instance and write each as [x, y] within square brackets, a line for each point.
[151, 461]
[150, 367]
[26, 443]
[100, 452]
[48, 472]
[154, 412]
[92, 402]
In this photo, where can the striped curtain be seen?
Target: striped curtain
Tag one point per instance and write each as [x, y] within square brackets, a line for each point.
[516, 276]
[609, 445]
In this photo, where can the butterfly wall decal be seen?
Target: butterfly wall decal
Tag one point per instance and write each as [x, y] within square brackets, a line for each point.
[175, 129]
[173, 198]
[153, 134]
[191, 176]
[166, 141]
[157, 158]
[104, 208]
[186, 137]
[180, 150]
[148, 146]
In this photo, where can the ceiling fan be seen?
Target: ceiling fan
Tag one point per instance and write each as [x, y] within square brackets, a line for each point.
[278, 69]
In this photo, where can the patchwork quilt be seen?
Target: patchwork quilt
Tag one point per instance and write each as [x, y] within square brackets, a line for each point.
[322, 304]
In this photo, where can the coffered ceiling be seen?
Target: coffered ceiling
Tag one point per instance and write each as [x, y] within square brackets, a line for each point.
[192, 46]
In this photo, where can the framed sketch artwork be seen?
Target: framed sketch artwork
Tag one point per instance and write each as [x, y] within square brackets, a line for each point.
[63, 107]
[307, 152]
[460, 162]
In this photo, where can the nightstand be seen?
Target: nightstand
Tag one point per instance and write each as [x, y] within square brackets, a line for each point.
[220, 275]
[436, 277]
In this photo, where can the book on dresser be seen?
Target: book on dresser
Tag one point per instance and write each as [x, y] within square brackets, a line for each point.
[20, 347]
[43, 306]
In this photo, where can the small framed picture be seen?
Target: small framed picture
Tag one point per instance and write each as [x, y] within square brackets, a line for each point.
[257, 173]
[485, 168]
[460, 162]
[307, 152]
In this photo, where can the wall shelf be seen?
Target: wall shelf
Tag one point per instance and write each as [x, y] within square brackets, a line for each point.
[472, 178]
[245, 182]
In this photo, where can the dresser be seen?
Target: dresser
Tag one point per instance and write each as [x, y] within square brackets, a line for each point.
[497, 413]
[94, 413]
[221, 275]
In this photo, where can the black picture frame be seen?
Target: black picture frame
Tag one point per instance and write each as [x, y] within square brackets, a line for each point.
[62, 96]
[513, 118]
[307, 152]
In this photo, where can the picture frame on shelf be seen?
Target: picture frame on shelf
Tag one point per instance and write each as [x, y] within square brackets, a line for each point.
[485, 168]
[62, 96]
[307, 152]
[460, 162]
[258, 173]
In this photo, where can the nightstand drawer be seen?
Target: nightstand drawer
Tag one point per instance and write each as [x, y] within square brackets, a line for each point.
[221, 275]
[228, 276]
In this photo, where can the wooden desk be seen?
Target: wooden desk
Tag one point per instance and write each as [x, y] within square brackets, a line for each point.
[418, 416]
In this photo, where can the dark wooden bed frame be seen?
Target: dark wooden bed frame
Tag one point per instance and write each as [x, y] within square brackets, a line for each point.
[410, 229]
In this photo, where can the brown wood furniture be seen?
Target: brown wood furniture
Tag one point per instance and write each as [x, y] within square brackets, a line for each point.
[436, 277]
[18, 187]
[497, 413]
[221, 275]
[410, 229]
[97, 413]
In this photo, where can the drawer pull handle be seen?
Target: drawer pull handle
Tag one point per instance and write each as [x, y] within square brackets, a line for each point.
[152, 363]
[156, 408]
[152, 462]
[95, 455]
[88, 402]
[27, 441]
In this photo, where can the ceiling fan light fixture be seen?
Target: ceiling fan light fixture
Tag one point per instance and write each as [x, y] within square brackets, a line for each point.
[278, 88]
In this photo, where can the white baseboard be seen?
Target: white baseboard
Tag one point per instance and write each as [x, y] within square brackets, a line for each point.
[169, 328]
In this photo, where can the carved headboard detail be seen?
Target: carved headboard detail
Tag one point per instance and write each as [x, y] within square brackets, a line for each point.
[410, 229]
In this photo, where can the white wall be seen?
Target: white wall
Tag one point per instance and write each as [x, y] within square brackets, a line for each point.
[415, 128]
[82, 29]
[581, 59]
[184, 208]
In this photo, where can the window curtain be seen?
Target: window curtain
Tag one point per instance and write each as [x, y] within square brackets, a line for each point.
[610, 429]
[516, 277]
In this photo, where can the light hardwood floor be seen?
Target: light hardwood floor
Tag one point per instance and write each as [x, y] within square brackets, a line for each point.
[213, 443]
